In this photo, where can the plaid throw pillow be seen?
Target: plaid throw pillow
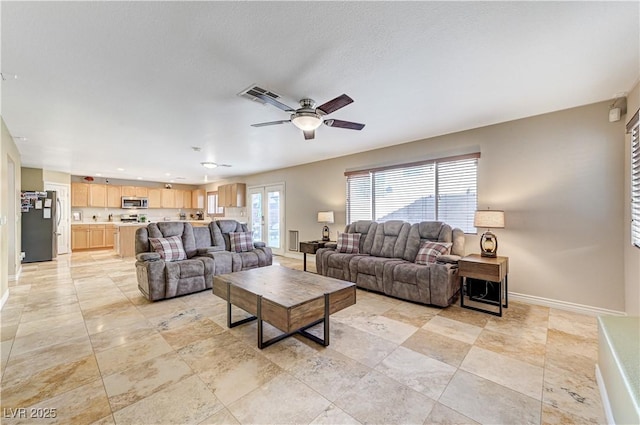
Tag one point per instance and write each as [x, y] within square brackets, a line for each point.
[170, 249]
[349, 243]
[429, 251]
[241, 241]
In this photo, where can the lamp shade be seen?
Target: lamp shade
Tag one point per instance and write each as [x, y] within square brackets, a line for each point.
[325, 217]
[306, 121]
[489, 219]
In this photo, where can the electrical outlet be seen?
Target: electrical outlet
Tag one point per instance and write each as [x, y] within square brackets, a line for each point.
[22, 255]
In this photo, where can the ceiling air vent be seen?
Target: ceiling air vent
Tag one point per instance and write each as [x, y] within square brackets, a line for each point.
[251, 91]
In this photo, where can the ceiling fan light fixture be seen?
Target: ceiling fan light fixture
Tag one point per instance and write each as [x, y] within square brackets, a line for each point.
[306, 121]
[209, 164]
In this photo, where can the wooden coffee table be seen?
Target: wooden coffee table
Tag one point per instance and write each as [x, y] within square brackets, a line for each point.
[290, 300]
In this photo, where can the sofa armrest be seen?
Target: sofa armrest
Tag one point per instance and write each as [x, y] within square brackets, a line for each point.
[448, 259]
[148, 256]
[259, 244]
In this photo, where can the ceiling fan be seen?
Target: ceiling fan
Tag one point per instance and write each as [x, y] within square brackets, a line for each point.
[307, 118]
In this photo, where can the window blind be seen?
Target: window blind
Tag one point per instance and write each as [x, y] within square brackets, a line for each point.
[359, 197]
[457, 197]
[635, 180]
[443, 189]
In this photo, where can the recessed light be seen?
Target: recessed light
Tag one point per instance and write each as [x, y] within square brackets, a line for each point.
[179, 178]
[209, 164]
[98, 174]
[170, 181]
[167, 174]
[120, 169]
[139, 178]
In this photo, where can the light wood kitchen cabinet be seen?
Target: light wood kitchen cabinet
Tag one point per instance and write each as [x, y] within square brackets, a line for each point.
[79, 194]
[142, 192]
[127, 241]
[110, 235]
[197, 199]
[79, 237]
[92, 236]
[232, 195]
[186, 199]
[155, 196]
[97, 195]
[96, 236]
[114, 196]
[128, 190]
[183, 198]
[168, 198]
[179, 198]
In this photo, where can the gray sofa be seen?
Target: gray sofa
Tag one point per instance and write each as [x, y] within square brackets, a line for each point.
[208, 252]
[386, 261]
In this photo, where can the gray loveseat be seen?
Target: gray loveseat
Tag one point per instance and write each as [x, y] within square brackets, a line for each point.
[386, 261]
[208, 253]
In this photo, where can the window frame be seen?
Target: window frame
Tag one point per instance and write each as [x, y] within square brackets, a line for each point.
[633, 128]
[435, 163]
[220, 210]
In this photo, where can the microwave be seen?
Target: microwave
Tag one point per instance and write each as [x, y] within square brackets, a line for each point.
[134, 202]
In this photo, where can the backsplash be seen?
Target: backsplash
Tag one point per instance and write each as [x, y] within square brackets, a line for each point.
[152, 214]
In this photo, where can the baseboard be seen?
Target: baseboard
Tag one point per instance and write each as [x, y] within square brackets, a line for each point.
[564, 305]
[605, 397]
[14, 277]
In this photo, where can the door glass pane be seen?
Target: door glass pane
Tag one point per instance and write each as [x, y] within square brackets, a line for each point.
[256, 216]
[273, 218]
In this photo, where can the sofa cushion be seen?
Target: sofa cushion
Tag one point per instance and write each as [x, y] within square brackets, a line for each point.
[170, 249]
[241, 241]
[429, 251]
[348, 243]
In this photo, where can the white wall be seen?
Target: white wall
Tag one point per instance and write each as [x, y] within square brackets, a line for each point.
[559, 177]
[9, 217]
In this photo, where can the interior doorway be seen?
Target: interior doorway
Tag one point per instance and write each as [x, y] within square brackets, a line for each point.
[266, 215]
[63, 214]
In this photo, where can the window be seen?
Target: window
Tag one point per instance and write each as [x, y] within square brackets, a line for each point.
[212, 204]
[634, 128]
[443, 189]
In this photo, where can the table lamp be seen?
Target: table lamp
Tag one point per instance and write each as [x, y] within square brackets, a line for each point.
[490, 219]
[325, 217]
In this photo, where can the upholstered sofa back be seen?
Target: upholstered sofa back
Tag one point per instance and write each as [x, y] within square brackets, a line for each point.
[224, 227]
[433, 231]
[165, 229]
[367, 230]
[390, 239]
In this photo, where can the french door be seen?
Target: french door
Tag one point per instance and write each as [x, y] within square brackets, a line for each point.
[266, 213]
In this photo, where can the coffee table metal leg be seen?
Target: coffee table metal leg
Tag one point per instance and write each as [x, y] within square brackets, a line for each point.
[303, 331]
[230, 322]
[325, 319]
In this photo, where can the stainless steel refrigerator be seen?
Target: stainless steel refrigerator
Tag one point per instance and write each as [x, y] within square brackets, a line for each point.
[39, 225]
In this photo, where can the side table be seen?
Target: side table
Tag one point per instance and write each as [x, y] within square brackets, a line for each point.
[310, 247]
[488, 269]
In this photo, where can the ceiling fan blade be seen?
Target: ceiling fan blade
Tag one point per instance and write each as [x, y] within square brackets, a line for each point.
[344, 124]
[264, 124]
[335, 104]
[274, 102]
[309, 134]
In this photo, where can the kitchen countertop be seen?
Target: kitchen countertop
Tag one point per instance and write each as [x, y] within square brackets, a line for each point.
[119, 223]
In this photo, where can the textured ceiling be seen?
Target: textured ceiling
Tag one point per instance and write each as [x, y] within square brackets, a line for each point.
[136, 85]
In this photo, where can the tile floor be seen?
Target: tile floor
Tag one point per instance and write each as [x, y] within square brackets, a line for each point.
[81, 343]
